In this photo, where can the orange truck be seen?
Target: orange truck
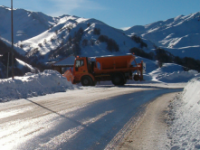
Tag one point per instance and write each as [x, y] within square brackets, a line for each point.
[118, 69]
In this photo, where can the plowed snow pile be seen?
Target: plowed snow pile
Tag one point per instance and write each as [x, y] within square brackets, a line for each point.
[185, 115]
[172, 73]
[31, 85]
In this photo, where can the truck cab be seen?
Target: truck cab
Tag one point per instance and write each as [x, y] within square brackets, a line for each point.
[83, 71]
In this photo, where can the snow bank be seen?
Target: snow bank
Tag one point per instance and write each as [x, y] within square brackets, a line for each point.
[177, 76]
[31, 85]
[172, 73]
[185, 129]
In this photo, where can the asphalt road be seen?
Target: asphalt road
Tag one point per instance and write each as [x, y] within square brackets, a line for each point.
[150, 131]
[88, 118]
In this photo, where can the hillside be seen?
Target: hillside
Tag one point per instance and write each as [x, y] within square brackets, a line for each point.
[27, 24]
[39, 35]
[79, 36]
[21, 65]
[179, 35]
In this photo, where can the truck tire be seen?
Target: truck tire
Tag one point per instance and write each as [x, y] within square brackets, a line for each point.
[94, 83]
[136, 77]
[118, 79]
[125, 80]
[86, 81]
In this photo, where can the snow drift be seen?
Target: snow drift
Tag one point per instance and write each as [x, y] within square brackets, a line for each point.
[172, 73]
[185, 129]
[31, 85]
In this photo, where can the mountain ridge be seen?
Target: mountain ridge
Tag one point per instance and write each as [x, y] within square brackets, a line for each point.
[25, 23]
[179, 35]
[58, 37]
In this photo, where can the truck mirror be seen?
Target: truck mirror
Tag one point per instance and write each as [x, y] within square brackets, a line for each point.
[76, 68]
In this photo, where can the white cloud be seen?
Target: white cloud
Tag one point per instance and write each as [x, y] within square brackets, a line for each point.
[59, 7]
[68, 6]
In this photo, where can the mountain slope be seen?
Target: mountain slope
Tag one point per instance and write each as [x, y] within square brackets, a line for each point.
[27, 24]
[38, 36]
[79, 36]
[5, 46]
[21, 65]
[47, 39]
[179, 35]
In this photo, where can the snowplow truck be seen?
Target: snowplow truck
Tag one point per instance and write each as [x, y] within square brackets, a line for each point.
[117, 69]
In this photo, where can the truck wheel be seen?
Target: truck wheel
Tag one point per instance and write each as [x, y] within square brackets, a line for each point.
[94, 83]
[136, 77]
[118, 79]
[86, 81]
[125, 80]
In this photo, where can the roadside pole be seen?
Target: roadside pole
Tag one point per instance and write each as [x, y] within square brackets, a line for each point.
[12, 38]
[8, 65]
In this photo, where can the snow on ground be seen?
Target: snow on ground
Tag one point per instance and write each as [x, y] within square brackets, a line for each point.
[185, 114]
[168, 73]
[172, 73]
[32, 85]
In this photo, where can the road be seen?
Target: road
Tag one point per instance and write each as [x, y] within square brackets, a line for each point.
[150, 131]
[88, 118]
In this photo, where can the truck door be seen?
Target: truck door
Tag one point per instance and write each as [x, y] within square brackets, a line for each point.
[80, 66]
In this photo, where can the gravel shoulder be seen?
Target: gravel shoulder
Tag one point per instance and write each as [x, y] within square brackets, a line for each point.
[150, 129]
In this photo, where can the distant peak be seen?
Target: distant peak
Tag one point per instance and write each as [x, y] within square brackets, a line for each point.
[197, 14]
[5, 7]
[125, 28]
[178, 17]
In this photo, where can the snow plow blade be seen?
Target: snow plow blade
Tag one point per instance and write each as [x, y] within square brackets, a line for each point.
[69, 75]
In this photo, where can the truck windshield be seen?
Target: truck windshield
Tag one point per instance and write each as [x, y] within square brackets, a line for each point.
[79, 63]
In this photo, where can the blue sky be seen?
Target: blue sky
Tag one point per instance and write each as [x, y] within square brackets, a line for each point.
[116, 13]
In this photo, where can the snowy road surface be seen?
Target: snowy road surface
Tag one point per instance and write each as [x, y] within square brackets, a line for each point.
[87, 118]
[150, 130]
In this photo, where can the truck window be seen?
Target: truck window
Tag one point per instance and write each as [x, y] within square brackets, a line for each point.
[79, 63]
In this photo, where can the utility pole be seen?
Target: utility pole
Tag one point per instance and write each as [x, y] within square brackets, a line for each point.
[12, 39]
[8, 65]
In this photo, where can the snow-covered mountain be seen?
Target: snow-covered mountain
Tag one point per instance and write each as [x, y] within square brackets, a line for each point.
[53, 38]
[93, 38]
[20, 67]
[27, 24]
[8, 44]
[179, 35]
